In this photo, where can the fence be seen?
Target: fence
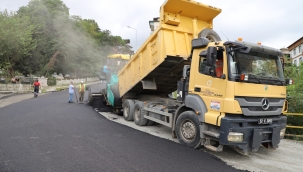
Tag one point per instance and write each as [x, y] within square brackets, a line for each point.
[295, 127]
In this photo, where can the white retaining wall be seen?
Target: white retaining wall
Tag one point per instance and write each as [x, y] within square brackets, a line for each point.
[76, 81]
[43, 81]
[16, 87]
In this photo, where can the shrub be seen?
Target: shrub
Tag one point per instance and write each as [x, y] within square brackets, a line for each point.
[51, 81]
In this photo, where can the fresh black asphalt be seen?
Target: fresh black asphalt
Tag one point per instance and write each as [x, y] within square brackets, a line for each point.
[47, 134]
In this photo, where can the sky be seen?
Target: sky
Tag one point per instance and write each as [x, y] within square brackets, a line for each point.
[274, 23]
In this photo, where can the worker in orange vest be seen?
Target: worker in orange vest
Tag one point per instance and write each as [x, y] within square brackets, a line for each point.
[219, 67]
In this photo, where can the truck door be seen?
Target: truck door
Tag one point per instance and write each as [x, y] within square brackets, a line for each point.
[211, 88]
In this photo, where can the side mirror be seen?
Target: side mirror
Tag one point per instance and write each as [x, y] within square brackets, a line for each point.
[209, 71]
[211, 56]
[199, 43]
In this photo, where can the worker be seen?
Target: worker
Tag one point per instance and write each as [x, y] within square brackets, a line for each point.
[219, 64]
[36, 85]
[105, 69]
[81, 91]
[106, 72]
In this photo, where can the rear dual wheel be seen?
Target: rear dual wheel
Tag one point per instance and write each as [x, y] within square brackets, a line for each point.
[128, 110]
[139, 113]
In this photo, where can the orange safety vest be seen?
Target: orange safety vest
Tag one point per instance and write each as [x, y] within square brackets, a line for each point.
[219, 68]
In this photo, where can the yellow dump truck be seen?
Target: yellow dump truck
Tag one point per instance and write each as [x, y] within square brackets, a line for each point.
[229, 93]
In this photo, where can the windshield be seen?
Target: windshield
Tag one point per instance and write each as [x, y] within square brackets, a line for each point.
[260, 68]
[115, 64]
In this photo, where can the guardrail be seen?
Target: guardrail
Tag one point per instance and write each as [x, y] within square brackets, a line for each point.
[295, 127]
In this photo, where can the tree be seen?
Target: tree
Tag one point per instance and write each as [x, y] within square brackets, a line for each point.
[42, 14]
[15, 39]
[64, 44]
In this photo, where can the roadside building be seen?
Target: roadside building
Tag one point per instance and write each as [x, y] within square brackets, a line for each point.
[296, 51]
[286, 59]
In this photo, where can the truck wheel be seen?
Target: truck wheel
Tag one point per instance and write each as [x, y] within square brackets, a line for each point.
[139, 114]
[210, 34]
[187, 129]
[128, 110]
[90, 97]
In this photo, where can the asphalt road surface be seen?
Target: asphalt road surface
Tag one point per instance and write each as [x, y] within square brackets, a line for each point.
[49, 134]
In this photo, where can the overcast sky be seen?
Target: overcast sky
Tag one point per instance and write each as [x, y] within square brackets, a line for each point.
[275, 23]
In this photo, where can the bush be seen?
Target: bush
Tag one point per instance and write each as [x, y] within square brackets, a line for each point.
[51, 81]
[294, 121]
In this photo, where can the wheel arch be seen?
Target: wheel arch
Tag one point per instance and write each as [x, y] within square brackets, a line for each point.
[192, 103]
[197, 104]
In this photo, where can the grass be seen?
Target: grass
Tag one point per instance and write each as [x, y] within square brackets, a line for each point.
[60, 88]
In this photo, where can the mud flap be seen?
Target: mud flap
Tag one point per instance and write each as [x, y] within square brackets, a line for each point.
[275, 140]
[256, 140]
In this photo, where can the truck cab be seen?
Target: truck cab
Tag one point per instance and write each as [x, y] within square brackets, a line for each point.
[239, 88]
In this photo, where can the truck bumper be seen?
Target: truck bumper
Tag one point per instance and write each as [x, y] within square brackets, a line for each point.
[254, 134]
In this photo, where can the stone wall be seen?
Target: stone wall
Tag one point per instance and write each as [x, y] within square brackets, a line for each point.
[9, 87]
[43, 81]
[76, 81]
[16, 87]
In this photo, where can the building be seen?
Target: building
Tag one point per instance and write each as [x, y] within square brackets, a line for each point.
[286, 59]
[154, 24]
[296, 52]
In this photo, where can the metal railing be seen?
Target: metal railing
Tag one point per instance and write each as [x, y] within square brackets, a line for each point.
[295, 127]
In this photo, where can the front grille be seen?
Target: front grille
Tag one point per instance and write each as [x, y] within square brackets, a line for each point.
[252, 106]
[259, 99]
[260, 108]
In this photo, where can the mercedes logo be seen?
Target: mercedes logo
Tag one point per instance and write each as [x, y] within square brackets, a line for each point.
[265, 103]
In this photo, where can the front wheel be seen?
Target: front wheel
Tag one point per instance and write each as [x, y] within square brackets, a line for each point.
[187, 129]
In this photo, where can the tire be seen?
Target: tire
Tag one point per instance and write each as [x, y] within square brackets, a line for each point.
[128, 110]
[210, 34]
[139, 114]
[187, 129]
[90, 97]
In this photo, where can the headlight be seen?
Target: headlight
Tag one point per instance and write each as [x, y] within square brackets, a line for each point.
[282, 133]
[235, 137]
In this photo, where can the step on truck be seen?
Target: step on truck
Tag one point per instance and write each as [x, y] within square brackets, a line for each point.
[228, 93]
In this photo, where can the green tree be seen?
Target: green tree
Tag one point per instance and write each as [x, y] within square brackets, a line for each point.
[295, 97]
[42, 14]
[15, 39]
[64, 44]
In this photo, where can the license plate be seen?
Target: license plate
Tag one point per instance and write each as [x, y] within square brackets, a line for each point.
[265, 121]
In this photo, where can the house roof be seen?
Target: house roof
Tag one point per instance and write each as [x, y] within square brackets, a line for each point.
[293, 45]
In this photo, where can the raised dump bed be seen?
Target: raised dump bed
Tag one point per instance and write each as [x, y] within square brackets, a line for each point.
[159, 62]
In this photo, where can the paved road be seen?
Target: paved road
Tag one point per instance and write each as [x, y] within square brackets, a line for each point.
[49, 134]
